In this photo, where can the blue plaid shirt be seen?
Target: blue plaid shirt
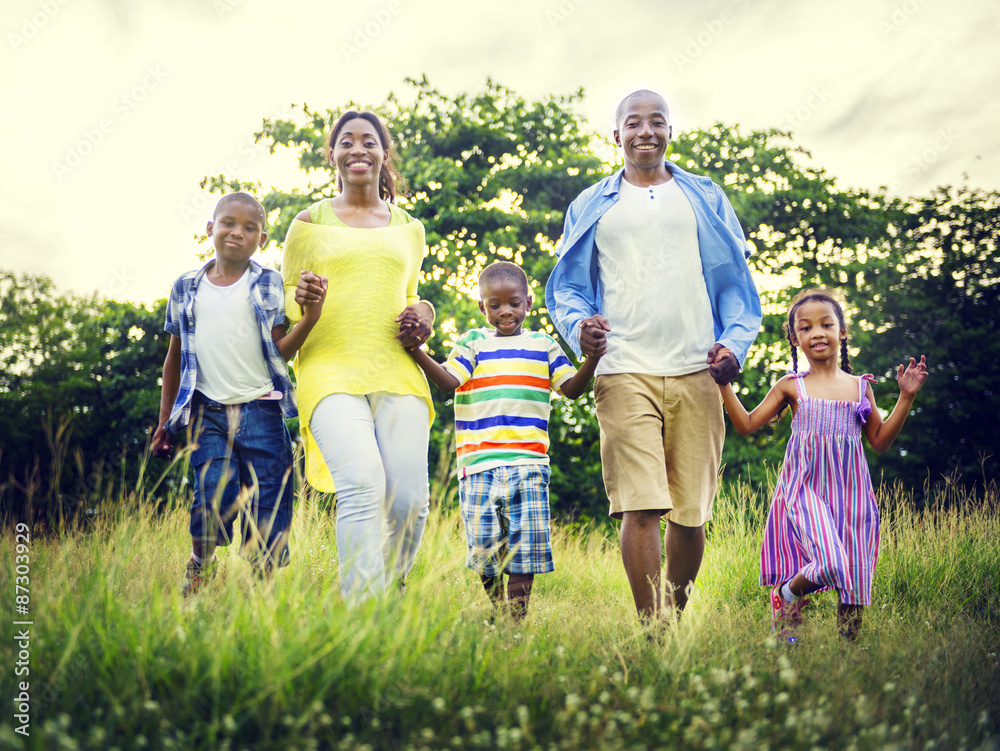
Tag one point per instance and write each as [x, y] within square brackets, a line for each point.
[268, 296]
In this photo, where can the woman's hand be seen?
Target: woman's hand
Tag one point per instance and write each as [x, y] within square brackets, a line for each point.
[415, 325]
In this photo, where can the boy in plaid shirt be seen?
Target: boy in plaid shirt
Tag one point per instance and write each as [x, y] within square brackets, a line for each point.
[233, 380]
[503, 377]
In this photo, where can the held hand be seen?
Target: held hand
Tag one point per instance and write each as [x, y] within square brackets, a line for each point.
[310, 291]
[414, 325]
[594, 336]
[912, 378]
[722, 364]
[161, 443]
[313, 293]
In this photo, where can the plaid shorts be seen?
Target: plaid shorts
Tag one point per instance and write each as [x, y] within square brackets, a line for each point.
[506, 514]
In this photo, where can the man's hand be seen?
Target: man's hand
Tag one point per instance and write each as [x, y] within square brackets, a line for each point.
[594, 336]
[722, 364]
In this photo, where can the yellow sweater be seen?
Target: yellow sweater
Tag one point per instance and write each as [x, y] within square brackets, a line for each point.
[353, 348]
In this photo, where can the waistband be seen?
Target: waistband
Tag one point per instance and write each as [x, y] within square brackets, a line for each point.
[199, 398]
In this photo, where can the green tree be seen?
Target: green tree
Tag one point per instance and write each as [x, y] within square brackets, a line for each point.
[940, 296]
[77, 390]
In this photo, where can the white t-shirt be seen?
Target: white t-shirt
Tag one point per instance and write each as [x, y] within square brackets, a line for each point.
[231, 366]
[653, 288]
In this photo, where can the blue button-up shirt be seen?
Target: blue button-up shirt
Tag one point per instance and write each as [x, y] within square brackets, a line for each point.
[268, 297]
[573, 291]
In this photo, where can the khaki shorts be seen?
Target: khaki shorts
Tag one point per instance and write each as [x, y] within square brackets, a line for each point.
[661, 443]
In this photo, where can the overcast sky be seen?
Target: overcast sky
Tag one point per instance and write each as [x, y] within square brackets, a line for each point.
[113, 111]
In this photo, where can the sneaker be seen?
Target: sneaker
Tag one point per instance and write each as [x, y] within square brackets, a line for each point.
[196, 574]
[786, 617]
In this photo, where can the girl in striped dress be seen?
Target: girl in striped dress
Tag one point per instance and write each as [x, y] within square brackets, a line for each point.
[822, 529]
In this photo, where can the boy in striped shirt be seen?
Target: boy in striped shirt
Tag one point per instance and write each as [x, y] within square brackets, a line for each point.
[503, 377]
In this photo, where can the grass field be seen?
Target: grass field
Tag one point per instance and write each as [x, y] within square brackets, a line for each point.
[119, 660]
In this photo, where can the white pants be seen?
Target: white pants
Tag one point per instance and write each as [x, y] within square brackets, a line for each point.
[376, 448]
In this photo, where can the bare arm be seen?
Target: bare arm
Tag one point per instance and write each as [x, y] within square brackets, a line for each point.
[881, 434]
[747, 423]
[575, 386]
[171, 384]
[438, 375]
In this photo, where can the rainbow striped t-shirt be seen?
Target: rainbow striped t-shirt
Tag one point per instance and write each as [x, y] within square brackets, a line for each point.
[502, 402]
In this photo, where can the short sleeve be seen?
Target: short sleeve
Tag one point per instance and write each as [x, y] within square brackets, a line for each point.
[864, 405]
[172, 322]
[295, 258]
[560, 367]
[461, 360]
[272, 295]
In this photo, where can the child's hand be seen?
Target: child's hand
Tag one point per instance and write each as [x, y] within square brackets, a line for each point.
[310, 292]
[720, 355]
[594, 336]
[912, 378]
[161, 443]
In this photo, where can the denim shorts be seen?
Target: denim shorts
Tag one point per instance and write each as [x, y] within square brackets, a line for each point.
[506, 515]
[242, 446]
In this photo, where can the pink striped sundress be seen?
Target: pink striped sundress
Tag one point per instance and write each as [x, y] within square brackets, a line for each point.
[823, 522]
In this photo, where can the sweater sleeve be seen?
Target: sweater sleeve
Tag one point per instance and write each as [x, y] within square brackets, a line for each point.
[295, 259]
[414, 278]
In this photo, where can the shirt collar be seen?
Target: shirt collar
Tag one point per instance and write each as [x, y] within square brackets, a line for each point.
[255, 270]
[614, 184]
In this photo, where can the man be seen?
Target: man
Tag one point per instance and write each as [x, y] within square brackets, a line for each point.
[659, 255]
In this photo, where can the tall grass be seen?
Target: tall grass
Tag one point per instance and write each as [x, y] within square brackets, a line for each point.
[120, 660]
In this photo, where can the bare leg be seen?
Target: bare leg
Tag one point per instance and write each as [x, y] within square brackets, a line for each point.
[518, 592]
[641, 555]
[202, 549]
[494, 589]
[685, 548]
[849, 620]
[801, 586]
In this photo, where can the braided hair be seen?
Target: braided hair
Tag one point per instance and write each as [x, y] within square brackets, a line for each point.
[388, 176]
[816, 295]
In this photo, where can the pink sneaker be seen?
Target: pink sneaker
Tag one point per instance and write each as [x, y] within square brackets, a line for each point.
[786, 617]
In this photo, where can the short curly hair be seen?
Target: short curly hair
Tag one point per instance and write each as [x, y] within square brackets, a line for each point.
[503, 271]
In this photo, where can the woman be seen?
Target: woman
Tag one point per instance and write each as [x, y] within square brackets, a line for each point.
[365, 406]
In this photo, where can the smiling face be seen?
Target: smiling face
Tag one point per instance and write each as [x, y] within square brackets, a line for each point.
[817, 330]
[505, 303]
[643, 133]
[237, 232]
[356, 152]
